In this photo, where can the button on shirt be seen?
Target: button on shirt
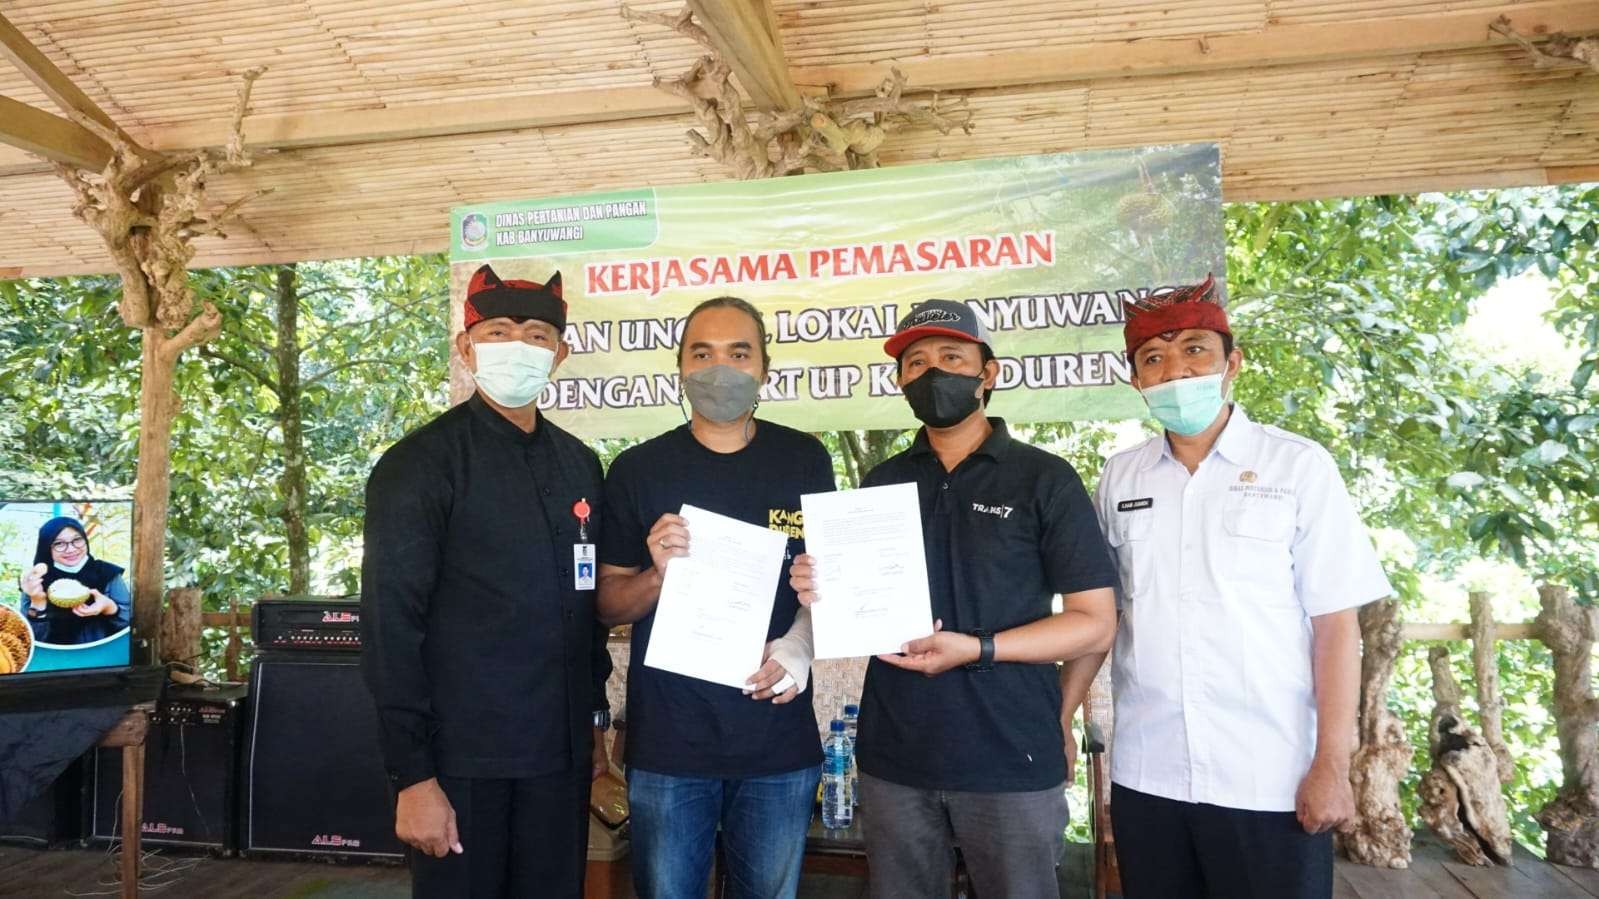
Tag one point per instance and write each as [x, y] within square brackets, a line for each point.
[1007, 530]
[1221, 572]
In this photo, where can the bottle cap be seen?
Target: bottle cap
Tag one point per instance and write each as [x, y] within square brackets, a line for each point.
[852, 709]
[837, 725]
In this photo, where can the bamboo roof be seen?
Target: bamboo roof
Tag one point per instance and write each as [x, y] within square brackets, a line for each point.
[386, 113]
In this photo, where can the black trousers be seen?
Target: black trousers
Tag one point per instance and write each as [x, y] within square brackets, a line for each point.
[1173, 850]
[526, 837]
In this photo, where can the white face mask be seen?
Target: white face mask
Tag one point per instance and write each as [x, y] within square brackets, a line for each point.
[512, 373]
[72, 569]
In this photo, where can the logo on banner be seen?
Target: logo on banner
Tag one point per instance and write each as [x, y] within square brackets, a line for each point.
[475, 231]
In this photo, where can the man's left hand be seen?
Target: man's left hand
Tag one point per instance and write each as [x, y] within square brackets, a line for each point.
[1325, 800]
[763, 684]
[602, 759]
[937, 653]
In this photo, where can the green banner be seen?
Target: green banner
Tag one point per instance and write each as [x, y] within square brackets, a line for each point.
[1046, 249]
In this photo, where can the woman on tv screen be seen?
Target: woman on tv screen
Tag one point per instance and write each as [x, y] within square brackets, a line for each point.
[69, 596]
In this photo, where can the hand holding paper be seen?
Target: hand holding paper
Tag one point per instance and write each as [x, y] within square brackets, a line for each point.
[716, 601]
[869, 576]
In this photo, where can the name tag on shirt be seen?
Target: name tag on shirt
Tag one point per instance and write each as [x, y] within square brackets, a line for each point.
[1133, 505]
[582, 566]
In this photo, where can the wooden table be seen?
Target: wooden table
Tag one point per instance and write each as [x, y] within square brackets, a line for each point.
[128, 735]
[841, 851]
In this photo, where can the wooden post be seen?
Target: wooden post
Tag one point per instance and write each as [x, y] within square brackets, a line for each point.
[1460, 797]
[1485, 669]
[1571, 819]
[128, 735]
[1379, 836]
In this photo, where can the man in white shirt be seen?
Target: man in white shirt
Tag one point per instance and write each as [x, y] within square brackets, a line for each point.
[1236, 666]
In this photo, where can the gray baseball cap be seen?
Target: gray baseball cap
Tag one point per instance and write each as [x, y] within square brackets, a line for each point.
[946, 317]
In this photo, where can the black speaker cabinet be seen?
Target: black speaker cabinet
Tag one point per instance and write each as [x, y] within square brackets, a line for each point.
[314, 782]
[191, 761]
[53, 817]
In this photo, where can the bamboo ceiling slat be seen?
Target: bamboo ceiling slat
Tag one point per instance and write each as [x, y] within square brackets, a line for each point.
[1407, 121]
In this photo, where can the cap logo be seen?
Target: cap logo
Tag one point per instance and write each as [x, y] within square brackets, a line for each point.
[933, 315]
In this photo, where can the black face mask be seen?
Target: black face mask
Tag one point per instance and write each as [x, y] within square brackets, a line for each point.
[940, 399]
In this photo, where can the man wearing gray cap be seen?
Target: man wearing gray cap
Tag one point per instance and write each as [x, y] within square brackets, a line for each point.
[960, 735]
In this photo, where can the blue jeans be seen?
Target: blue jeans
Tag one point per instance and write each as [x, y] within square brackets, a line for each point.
[763, 821]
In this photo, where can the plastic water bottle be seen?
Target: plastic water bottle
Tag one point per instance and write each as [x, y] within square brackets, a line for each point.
[837, 809]
[852, 720]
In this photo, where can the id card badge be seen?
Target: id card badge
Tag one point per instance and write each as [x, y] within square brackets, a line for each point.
[582, 552]
[583, 566]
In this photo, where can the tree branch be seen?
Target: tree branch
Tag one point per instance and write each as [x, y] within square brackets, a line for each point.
[323, 375]
[245, 366]
[200, 329]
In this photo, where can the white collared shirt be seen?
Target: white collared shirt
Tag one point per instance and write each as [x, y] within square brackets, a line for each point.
[1221, 572]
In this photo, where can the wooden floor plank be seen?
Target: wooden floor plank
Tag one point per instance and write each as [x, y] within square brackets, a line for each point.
[1434, 874]
[1386, 883]
[1587, 878]
[1547, 879]
[1492, 881]
[1427, 864]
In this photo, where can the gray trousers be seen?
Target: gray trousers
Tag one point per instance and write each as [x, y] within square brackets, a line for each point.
[1011, 841]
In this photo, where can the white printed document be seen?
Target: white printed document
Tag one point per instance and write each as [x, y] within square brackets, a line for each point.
[716, 602]
[871, 572]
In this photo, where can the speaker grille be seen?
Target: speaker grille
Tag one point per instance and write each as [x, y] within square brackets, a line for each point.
[314, 778]
[189, 796]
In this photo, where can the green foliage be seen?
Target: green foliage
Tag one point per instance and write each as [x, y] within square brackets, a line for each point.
[372, 367]
[1349, 313]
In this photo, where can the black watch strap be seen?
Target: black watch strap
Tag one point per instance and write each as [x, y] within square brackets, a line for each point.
[985, 652]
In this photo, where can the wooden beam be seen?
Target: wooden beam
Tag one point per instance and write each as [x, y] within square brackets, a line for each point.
[745, 34]
[1269, 46]
[51, 137]
[44, 74]
[1416, 630]
[1273, 45]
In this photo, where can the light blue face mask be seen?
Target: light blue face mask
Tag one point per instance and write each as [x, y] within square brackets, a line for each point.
[1186, 406]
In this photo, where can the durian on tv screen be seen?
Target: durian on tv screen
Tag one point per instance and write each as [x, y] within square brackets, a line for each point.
[65, 586]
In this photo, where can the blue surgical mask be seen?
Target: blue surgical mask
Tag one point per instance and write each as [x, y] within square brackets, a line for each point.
[73, 569]
[1186, 406]
[512, 373]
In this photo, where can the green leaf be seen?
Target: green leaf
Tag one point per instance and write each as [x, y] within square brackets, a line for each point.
[1580, 377]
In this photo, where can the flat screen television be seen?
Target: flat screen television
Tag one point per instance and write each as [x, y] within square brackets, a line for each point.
[65, 586]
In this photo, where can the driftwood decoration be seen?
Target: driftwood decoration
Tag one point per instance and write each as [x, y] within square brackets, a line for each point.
[148, 207]
[1379, 836]
[1559, 49]
[1485, 671]
[824, 135]
[181, 626]
[1571, 819]
[1460, 797]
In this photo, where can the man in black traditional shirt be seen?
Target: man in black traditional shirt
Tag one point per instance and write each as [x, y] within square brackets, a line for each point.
[702, 755]
[480, 643]
[960, 735]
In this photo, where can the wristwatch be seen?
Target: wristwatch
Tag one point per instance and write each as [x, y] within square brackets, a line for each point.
[602, 719]
[985, 652]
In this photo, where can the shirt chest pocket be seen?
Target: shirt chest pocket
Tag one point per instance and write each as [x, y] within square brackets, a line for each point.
[1130, 538]
[1258, 547]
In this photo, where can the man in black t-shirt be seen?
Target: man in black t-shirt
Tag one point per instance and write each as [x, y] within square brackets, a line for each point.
[960, 735]
[702, 755]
